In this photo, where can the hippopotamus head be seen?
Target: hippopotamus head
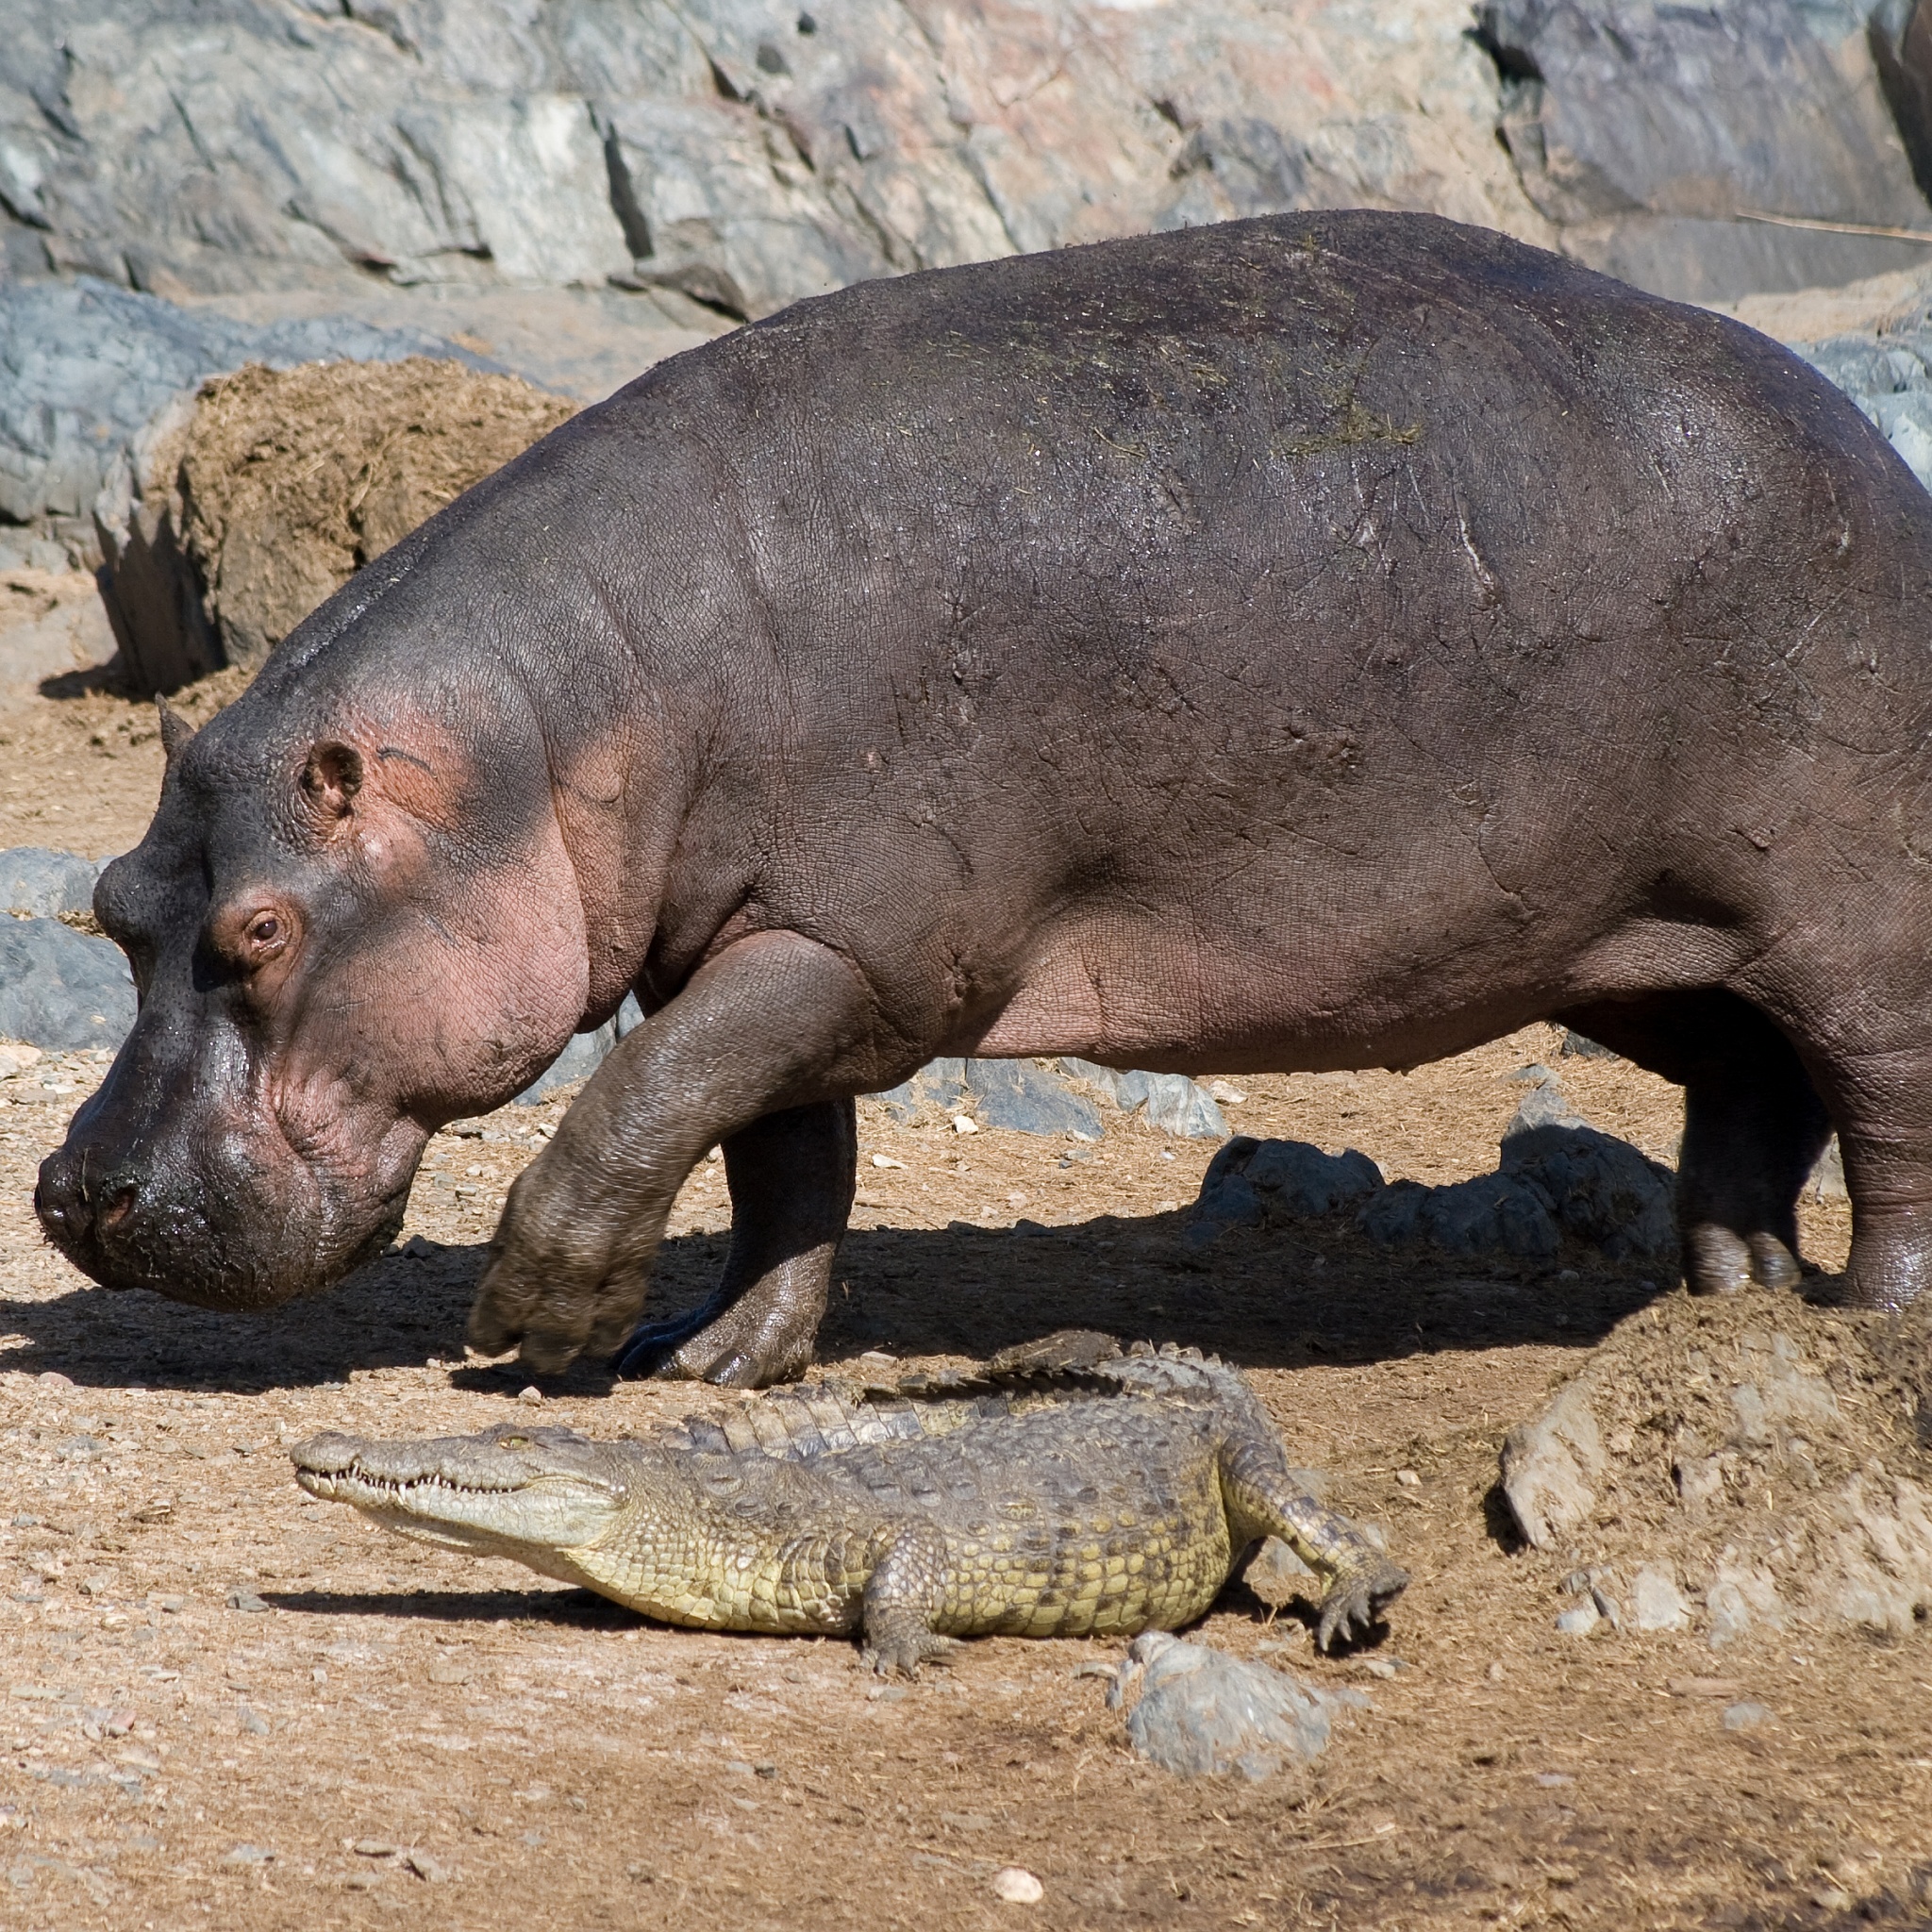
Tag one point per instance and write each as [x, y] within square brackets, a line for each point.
[348, 924]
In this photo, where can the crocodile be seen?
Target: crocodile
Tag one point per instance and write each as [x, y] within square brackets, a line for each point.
[1066, 1489]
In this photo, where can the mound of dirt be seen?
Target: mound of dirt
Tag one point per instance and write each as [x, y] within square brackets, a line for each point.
[277, 486]
[1734, 1465]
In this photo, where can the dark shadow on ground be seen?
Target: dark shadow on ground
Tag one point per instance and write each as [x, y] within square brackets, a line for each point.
[577, 1609]
[1318, 1293]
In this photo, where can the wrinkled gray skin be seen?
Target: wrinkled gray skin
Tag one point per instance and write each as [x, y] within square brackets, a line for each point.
[1322, 641]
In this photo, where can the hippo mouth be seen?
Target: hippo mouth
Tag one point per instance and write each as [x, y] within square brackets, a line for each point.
[252, 1254]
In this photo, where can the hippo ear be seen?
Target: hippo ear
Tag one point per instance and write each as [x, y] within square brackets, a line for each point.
[331, 780]
[176, 729]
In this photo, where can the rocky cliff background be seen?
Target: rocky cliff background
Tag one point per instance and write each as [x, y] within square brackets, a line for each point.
[569, 189]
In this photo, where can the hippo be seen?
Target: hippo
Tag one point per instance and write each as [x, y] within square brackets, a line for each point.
[1319, 642]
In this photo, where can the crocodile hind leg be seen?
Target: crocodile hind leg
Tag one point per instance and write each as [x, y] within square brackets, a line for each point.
[1263, 1499]
[904, 1594]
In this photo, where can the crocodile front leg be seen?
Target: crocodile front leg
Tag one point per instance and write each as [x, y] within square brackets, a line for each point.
[1262, 1499]
[904, 1594]
[776, 1022]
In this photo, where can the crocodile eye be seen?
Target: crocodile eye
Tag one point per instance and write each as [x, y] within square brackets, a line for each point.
[512, 1442]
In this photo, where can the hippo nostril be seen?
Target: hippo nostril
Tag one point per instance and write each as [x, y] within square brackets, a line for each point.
[70, 1210]
[114, 1207]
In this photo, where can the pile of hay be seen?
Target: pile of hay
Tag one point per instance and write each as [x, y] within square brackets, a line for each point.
[1735, 1465]
[274, 486]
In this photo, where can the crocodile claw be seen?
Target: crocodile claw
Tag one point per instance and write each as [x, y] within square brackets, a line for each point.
[902, 1657]
[1356, 1602]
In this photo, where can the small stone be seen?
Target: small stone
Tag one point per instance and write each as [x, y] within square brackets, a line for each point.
[1656, 1602]
[245, 1601]
[965, 1123]
[1831, 1898]
[886, 1161]
[886, 1693]
[1409, 1479]
[431, 1870]
[53, 1378]
[1745, 1716]
[1730, 1615]
[767, 1769]
[249, 1855]
[372, 1848]
[1199, 1713]
[1017, 1886]
[253, 1722]
[1495, 1672]
[530, 1395]
[1579, 1620]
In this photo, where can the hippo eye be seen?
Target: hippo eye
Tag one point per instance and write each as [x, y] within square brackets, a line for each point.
[266, 930]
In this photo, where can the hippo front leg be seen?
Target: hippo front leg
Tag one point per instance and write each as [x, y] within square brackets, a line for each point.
[791, 1176]
[775, 1023]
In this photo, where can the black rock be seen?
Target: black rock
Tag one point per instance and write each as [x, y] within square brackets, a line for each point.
[1250, 1181]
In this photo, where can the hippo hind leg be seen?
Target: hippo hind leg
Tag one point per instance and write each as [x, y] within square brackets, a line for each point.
[1754, 1128]
[791, 1176]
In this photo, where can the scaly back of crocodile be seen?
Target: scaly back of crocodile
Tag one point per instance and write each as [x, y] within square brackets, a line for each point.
[1075, 1366]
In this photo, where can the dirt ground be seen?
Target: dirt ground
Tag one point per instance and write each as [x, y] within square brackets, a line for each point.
[222, 1704]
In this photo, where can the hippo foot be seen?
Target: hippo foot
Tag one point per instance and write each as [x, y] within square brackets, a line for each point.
[1717, 1262]
[728, 1343]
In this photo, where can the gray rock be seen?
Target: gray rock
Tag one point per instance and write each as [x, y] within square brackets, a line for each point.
[1727, 1612]
[1551, 1468]
[1171, 1102]
[1026, 1099]
[1890, 377]
[1645, 132]
[1656, 1602]
[1016, 1095]
[584, 1054]
[1250, 1182]
[35, 879]
[1201, 1713]
[60, 989]
[709, 145]
[1579, 1620]
[85, 368]
[1827, 1179]
[939, 1086]
[1578, 1046]
[1745, 1716]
